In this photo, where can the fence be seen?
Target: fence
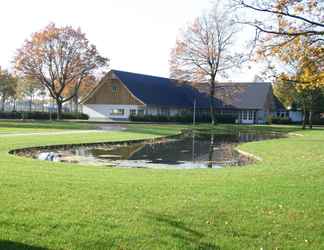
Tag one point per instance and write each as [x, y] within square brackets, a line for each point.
[32, 106]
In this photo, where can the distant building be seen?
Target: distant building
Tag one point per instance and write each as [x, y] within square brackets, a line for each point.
[122, 94]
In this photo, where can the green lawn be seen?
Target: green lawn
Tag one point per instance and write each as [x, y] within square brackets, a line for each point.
[28, 126]
[275, 204]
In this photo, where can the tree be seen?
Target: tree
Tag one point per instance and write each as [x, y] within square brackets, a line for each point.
[205, 50]
[285, 91]
[8, 85]
[279, 22]
[28, 88]
[87, 84]
[290, 36]
[304, 76]
[58, 57]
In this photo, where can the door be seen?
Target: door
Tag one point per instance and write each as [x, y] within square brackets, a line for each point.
[247, 116]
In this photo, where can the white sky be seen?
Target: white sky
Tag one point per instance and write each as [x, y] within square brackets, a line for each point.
[136, 35]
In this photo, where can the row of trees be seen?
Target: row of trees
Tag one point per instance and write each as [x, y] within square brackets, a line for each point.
[289, 36]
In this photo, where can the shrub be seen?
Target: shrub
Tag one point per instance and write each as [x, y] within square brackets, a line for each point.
[42, 115]
[183, 118]
[281, 120]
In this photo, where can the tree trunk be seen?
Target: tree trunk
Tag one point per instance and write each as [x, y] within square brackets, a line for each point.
[211, 151]
[304, 117]
[310, 119]
[76, 103]
[3, 100]
[14, 105]
[30, 104]
[212, 102]
[59, 109]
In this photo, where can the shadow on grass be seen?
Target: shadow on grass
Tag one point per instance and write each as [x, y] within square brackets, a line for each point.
[12, 245]
[179, 231]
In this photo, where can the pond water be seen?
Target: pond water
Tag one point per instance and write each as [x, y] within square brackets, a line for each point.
[181, 152]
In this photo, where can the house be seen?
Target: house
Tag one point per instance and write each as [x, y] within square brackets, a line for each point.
[121, 94]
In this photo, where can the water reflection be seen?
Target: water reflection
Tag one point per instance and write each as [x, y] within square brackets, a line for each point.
[186, 151]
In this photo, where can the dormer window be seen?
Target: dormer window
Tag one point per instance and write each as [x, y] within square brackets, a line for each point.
[114, 88]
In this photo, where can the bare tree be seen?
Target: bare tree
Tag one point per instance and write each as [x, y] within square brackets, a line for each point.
[205, 50]
[280, 22]
[58, 57]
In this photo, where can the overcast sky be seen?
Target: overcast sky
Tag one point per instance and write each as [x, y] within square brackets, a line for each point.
[136, 35]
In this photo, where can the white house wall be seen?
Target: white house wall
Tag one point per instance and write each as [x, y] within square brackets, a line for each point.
[103, 111]
[153, 110]
[296, 116]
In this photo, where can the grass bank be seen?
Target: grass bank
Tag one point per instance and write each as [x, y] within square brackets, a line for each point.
[276, 203]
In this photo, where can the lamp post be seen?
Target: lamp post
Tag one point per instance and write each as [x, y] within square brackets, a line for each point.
[194, 113]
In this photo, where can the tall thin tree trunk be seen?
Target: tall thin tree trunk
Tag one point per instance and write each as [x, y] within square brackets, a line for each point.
[30, 103]
[76, 102]
[310, 118]
[3, 101]
[304, 117]
[59, 109]
[212, 102]
[14, 105]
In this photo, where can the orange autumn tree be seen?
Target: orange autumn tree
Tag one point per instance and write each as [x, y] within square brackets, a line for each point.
[290, 37]
[58, 57]
[205, 50]
[303, 71]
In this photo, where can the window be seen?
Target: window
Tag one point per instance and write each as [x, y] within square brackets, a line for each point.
[132, 112]
[244, 115]
[114, 88]
[251, 115]
[165, 111]
[140, 112]
[118, 112]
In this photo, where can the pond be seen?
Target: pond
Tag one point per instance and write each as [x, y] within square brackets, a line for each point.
[187, 151]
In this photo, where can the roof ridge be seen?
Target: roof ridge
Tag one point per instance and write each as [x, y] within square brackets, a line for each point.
[128, 72]
[172, 79]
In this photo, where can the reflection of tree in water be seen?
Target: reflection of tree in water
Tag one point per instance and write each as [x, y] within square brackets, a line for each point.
[210, 150]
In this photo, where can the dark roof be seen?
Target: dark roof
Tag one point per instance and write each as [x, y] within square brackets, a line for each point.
[162, 91]
[248, 95]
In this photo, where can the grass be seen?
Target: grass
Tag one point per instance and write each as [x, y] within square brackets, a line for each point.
[276, 203]
[29, 126]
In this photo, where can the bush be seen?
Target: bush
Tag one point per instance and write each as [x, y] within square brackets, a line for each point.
[183, 118]
[281, 120]
[42, 115]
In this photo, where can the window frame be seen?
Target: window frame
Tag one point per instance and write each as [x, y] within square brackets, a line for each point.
[120, 112]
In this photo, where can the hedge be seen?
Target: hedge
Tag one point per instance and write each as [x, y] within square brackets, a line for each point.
[183, 118]
[281, 120]
[42, 115]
